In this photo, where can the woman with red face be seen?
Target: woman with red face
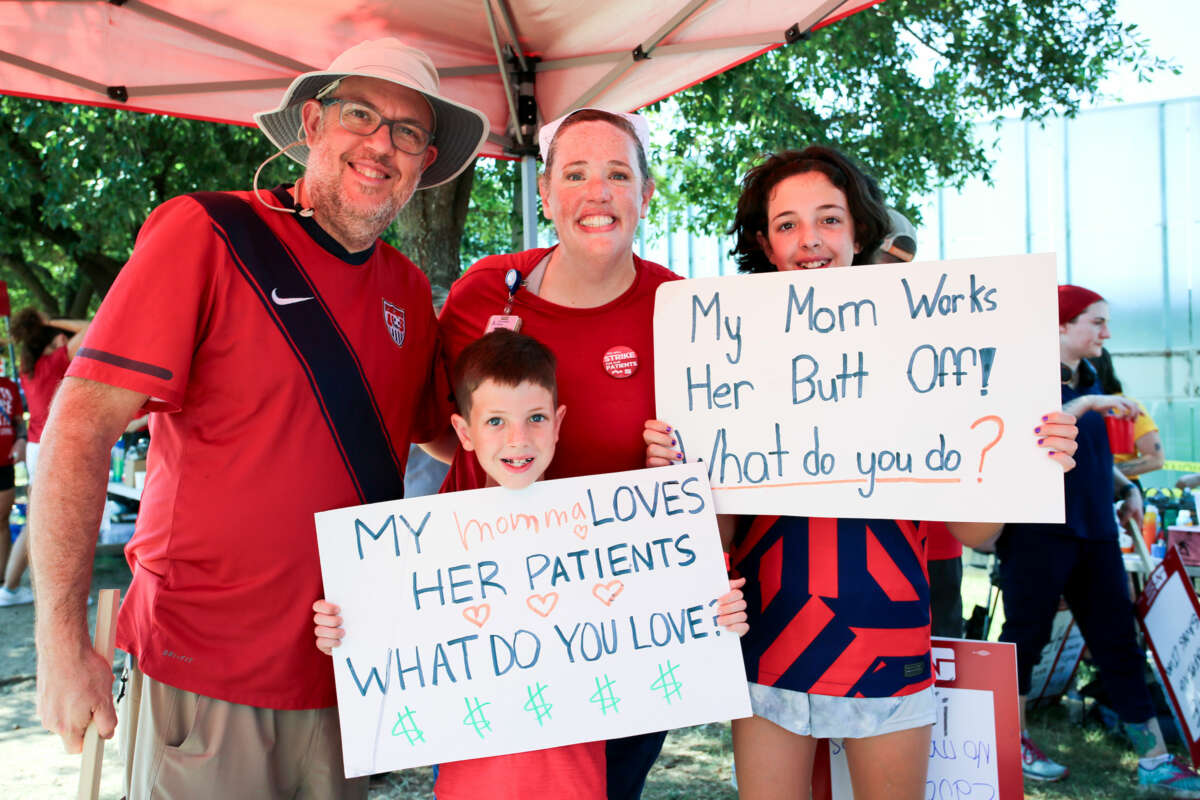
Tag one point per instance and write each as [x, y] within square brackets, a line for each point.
[857, 664]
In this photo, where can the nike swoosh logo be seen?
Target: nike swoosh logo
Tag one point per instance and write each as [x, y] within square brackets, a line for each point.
[285, 301]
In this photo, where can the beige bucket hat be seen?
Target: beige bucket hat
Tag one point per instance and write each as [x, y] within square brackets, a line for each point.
[459, 130]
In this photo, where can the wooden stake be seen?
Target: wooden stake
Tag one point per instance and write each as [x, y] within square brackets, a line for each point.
[93, 745]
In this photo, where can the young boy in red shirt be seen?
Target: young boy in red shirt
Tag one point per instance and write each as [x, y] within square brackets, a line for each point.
[509, 417]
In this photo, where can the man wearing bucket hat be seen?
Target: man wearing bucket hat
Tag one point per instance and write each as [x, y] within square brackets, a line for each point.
[288, 356]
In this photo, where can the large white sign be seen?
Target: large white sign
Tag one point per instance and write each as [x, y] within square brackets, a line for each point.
[892, 391]
[496, 621]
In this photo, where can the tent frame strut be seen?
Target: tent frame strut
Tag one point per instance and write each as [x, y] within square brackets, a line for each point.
[518, 74]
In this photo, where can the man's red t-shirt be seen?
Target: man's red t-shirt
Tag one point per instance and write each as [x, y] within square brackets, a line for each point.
[40, 387]
[224, 556]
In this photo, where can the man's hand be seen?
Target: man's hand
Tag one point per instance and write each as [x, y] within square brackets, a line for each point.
[73, 688]
[74, 682]
[1131, 509]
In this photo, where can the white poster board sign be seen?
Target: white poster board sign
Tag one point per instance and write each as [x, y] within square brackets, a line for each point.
[495, 621]
[1058, 662]
[891, 391]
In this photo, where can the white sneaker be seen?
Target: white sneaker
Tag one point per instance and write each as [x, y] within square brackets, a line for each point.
[22, 596]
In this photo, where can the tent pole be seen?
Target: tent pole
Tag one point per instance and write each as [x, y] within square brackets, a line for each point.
[529, 202]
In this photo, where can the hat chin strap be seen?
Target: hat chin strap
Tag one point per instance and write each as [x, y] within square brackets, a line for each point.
[303, 212]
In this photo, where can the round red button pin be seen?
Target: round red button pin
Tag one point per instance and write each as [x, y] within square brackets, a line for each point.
[620, 361]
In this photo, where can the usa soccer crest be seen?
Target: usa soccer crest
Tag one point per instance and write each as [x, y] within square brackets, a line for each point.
[393, 318]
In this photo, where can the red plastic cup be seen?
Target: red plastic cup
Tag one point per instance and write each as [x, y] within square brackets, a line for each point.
[1120, 434]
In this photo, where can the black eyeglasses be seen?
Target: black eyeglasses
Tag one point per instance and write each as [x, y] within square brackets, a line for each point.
[359, 118]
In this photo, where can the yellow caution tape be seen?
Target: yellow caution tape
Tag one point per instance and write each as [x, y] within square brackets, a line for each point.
[1182, 466]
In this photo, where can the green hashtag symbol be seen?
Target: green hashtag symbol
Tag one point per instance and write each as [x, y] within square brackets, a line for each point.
[604, 696]
[667, 683]
[537, 703]
[475, 717]
[405, 726]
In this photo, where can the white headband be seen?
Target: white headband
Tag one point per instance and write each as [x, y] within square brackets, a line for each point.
[640, 128]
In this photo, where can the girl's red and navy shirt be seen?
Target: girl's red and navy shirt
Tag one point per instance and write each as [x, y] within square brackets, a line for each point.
[836, 606]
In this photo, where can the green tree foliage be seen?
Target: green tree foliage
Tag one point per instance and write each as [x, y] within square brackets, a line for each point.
[77, 182]
[899, 87]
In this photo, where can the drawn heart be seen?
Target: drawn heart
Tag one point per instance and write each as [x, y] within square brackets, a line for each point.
[477, 615]
[542, 604]
[607, 592]
[581, 530]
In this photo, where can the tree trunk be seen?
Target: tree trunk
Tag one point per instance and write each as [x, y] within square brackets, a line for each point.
[81, 300]
[430, 228]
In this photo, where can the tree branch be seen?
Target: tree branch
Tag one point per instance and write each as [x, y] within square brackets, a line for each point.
[24, 270]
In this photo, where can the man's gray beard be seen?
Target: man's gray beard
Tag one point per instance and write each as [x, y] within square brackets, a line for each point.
[328, 199]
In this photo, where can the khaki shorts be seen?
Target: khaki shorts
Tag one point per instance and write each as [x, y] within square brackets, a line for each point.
[180, 745]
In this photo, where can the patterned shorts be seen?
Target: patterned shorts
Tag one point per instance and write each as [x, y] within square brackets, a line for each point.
[826, 717]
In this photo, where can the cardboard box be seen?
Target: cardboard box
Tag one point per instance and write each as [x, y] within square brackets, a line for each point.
[1187, 539]
[132, 467]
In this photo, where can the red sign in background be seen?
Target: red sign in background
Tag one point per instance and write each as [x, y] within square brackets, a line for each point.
[989, 667]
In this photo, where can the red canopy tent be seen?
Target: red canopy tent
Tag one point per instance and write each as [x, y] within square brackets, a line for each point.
[520, 61]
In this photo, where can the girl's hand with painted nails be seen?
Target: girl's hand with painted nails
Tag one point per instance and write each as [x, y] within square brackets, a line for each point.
[662, 448]
[1057, 433]
[327, 626]
[731, 608]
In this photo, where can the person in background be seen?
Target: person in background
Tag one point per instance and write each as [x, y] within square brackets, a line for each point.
[943, 552]
[1147, 454]
[45, 348]
[1188, 481]
[1079, 559]
[13, 555]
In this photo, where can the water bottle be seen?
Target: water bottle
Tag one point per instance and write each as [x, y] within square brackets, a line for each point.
[118, 461]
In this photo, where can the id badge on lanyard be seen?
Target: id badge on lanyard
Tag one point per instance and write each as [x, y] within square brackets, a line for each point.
[507, 320]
